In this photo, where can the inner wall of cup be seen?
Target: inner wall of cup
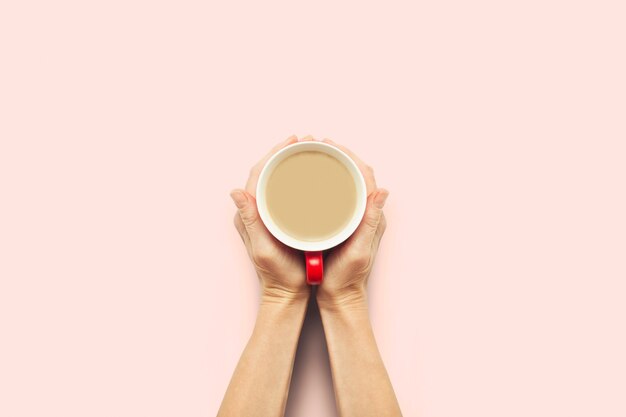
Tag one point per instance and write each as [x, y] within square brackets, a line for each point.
[360, 199]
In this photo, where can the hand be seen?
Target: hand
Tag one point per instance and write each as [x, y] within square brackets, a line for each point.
[280, 268]
[347, 266]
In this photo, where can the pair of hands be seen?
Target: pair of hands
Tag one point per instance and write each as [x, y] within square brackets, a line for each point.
[281, 269]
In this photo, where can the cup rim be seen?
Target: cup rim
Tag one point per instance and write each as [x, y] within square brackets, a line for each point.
[334, 240]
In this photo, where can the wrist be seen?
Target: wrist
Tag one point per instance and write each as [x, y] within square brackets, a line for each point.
[344, 313]
[281, 296]
[339, 301]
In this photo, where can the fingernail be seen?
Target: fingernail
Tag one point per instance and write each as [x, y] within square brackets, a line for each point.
[239, 198]
[380, 198]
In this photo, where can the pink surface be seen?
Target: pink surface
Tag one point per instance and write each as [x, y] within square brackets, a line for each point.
[498, 128]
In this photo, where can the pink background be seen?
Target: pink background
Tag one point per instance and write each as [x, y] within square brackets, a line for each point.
[498, 127]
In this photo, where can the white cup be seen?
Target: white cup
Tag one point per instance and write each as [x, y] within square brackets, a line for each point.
[313, 250]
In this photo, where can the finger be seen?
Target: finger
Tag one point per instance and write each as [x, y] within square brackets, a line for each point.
[243, 233]
[241, 229]
[307, 138]
[253, 228]
[366, 170]
[380, 231]
[365, 234]
[256, 169]
[247, 210]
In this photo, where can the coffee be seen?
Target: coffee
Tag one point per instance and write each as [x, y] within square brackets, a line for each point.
[311, 196]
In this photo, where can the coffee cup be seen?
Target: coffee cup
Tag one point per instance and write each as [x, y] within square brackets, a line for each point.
[311, 196]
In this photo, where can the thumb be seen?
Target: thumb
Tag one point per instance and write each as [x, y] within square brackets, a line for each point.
[373, 211]
[246, 204]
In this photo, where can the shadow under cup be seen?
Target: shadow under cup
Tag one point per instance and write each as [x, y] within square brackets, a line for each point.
[300, 189]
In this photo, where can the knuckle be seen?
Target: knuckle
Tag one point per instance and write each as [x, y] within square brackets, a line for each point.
[360, 264]
[358, 259]
[382, 223]
[381, 231]
[262, 257]
[372, 219]
[239, 226]
[238, 223]
[248, 220]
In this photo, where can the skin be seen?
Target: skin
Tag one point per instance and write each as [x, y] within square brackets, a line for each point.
[260, 384]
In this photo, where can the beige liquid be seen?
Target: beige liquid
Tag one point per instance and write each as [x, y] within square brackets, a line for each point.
[311, 196]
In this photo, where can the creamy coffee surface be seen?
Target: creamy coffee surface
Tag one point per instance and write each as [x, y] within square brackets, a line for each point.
[311, 196]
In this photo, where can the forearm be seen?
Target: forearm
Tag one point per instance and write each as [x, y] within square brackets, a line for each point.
[362, 386]
[260, 383]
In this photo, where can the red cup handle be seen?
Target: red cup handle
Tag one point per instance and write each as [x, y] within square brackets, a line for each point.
[314, 267]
